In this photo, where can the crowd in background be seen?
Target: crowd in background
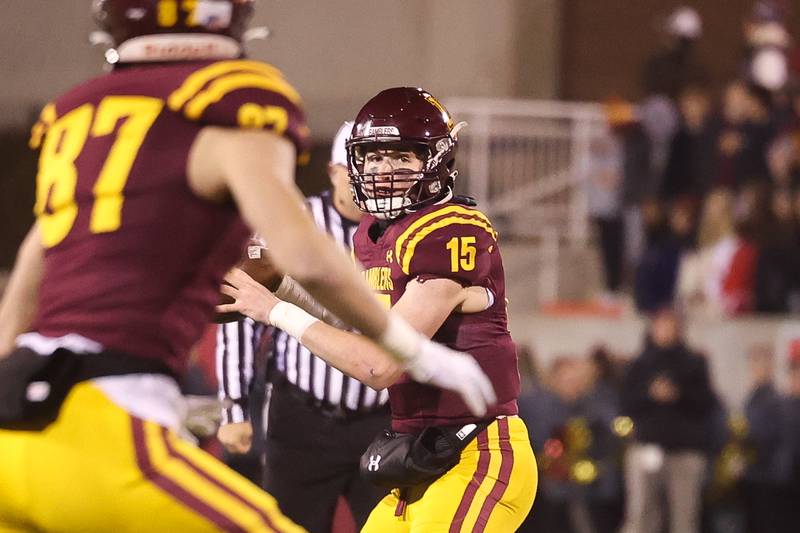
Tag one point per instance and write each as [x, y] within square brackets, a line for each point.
[695, 192]
[644, 444]
[695, 197]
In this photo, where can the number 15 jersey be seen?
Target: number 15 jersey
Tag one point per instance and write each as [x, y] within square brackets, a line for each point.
[454, 242]
[133, 258]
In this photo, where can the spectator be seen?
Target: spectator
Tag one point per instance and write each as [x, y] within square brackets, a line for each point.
[668, 395]
[764, 483]
[783, 157]
[691, 160]
[793, 425]
[637, 183]
[656, 274]
[529, 372]
[675, 65]
[745, 133]
[768, 45]
[605, 496]
[777, 281]
[604, 193]
[665, 75]
[546, 412]
[570, 427]
[702, 273]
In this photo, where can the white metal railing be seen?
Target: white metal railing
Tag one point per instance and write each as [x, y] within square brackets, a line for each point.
[525, 161]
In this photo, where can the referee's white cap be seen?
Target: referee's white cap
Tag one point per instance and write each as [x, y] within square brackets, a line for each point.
[338, 150]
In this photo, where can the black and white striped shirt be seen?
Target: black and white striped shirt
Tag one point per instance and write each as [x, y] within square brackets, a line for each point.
[238, 342]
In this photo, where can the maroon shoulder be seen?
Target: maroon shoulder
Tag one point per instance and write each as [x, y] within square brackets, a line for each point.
[453, 241]
[243, 94]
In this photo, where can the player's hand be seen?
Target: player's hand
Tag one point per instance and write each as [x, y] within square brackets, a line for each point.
[236, 437]
[456, 371]
[250, 297]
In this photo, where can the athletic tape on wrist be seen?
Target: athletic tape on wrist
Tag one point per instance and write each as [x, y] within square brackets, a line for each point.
[291, 319]
[291, 291]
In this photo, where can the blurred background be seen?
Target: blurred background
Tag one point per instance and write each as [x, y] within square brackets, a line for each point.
[641, 161]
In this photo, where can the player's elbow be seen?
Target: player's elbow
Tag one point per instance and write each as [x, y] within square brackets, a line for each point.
[382, 376]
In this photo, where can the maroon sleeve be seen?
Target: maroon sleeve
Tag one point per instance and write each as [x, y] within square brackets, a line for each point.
[460, 250]
[243, 94]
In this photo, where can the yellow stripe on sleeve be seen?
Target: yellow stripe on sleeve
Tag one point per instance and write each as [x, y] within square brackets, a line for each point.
[423, 220]
[231, 82]
[405, 261]
[197, 80]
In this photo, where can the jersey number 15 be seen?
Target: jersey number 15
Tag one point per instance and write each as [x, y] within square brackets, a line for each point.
[56, 209]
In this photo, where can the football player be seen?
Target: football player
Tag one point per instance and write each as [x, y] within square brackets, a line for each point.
[424, 252]
[140, 175]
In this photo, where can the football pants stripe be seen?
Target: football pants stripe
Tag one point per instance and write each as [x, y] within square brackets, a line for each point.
[408, 255]
[172, 466]
[471, 517]
[171, 487]
[452, 210]
[247, 493]
[197, 80]
[477, 479]
[503, 478]
[170, 440]
[233, 82]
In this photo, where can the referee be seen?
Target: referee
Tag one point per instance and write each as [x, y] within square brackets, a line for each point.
[320, 421]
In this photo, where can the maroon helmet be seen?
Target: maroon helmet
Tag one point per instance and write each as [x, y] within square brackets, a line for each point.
[159, 30]
[405, 119]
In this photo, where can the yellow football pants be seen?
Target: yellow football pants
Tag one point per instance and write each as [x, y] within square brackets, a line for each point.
[491, 489]
[97, 468]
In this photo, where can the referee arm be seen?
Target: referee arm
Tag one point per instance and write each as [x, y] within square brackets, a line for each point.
[235, 370]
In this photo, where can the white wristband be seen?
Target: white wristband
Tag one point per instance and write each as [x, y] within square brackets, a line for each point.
[291, 319]
[400, 339]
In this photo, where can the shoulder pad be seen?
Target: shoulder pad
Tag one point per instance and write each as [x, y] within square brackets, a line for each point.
[451, 219]
[244, 94]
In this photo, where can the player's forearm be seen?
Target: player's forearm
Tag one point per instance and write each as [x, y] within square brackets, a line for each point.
[18, 306]
[300, 250]
[353, 354]
[336, 284]
[259, 169]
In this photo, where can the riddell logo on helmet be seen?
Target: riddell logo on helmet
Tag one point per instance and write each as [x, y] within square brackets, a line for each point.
[182, 50]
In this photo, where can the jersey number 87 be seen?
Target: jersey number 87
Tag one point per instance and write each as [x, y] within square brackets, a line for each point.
[57, 180]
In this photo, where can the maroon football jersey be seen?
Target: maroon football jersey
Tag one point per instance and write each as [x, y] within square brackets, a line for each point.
[133, 258]
[454, 242]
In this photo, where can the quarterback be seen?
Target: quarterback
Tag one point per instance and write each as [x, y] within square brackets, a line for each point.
[143, 173]
[424, 252]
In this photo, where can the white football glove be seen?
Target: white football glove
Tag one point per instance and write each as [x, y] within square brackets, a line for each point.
[435, 364]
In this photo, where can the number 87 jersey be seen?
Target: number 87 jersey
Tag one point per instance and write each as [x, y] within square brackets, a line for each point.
[456, 242]
[133, 258]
